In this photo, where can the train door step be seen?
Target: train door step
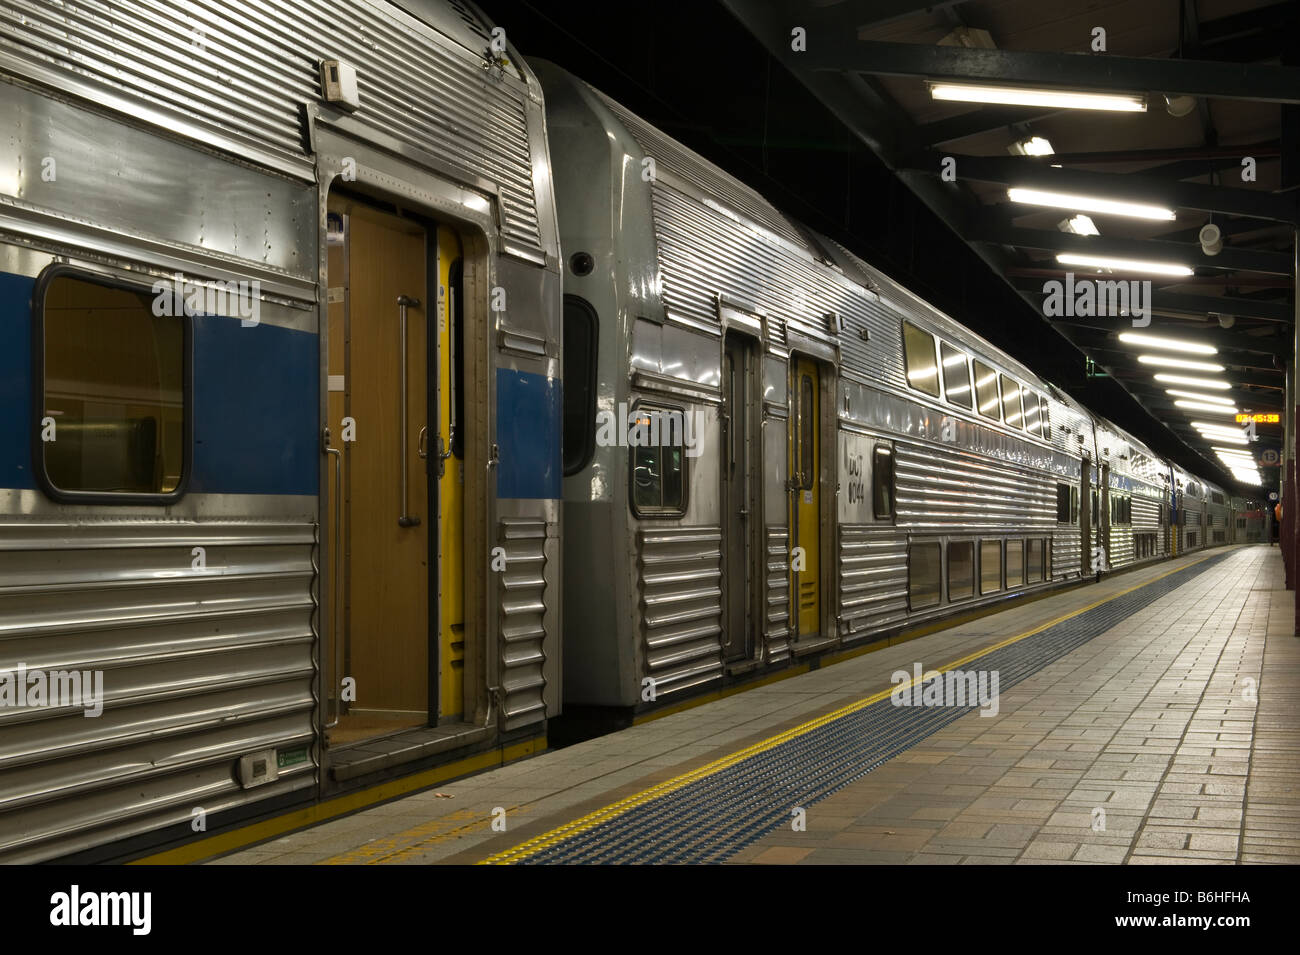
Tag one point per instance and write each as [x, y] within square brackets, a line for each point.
[738, 667]
[811, 645]
[407, 747]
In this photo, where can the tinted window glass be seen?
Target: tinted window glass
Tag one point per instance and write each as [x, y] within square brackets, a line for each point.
[990, 566]
[114, 388]
[882, 482]
[986, 391]
[918, 354]
[659, 464]
[1011, 412]
[923, 572]
[956, 375]
[580, 335]
[961, 569]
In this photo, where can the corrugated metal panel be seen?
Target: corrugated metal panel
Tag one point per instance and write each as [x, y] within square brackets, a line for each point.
[776, 601]
[705, 176]
[522, 599]
[939, 488]
[199, 668]
[250, 69]
[681, 605]
[1065, 551]
[873, 577]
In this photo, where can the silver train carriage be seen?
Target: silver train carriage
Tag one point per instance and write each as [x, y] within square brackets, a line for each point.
[280, 460]
[851, 463]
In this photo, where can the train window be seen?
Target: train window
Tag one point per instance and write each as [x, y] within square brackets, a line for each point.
[1031, 411]
[986, 391]
[990, 566]
[580, 338]
[1063, 503]
[1074, 505]
[1094, 513]
[918, 353]
[1011, 412]
[1034, 550]
[807, 422]
[659, 467]
[1015, 563]
[961, 569]
[882, 482]
[956, 375]
[114, 381]
[1044, 422]
[923, 573]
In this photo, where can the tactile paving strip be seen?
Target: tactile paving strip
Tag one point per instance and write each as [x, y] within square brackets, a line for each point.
[716, 816]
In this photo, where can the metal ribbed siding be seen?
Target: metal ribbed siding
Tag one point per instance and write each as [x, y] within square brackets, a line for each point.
[940, 489]
[258, 66]
[873, 577]
[681, 605]
[776, 603]
[200, 668]
[522, 599]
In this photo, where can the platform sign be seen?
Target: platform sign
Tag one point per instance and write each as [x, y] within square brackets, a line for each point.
[1269, 458]
[1272, 495]
[1270, 417]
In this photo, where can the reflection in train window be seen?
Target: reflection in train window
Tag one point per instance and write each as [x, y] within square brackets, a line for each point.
[1015, 563]
[1011, 412]
[990, 566]
[918, 353]
[882, 482]
[1030, 401]
[961, 569]
[923, 573]
[580, 336]
[1034, 550]
[1044, 422]
[114, 381]
[659, 463]
[986, 391]
[956, 375]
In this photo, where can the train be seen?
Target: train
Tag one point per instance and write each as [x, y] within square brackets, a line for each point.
[363, 419]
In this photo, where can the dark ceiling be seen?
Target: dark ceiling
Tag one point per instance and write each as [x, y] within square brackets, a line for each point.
[859, 160]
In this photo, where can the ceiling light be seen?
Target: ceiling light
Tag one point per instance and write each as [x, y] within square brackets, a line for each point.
[1079, 225]
[1194, 382]
[1031, 96]
[1123, 265]
[1112, 207]
[1214, 426]
[1201, 406]
[1197, 396]
[1169, 344]
[1033, 146]
[1211, 237]
[1160, 361]
[1236, 451]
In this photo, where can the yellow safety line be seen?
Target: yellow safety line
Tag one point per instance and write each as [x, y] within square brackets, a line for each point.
[592, 819]
[341, 805]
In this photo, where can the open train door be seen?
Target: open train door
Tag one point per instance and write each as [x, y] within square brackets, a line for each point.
[1085, 518]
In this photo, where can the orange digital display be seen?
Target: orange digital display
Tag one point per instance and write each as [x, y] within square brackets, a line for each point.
[1271, 417]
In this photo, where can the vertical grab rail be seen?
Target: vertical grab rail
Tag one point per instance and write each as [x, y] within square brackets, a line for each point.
[403, 302]
[336, 589]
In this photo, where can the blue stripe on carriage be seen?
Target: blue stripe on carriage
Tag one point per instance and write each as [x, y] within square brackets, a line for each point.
[255, 402]
[16, 381]
[255, 409]
[528, 435]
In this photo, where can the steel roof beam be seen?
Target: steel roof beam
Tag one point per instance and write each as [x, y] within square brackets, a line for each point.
[839, 51]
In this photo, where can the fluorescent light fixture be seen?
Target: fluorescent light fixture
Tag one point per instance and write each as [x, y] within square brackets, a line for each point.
[1236, 451]
[1194, 382]
[1079, 225]
[1160, 361]
[1110, 207]
[1212, 426]
[1033, 146]
[1123, 265]
[1168, 344]
[1034, 96]
[1225, 438]
[1201, 406]
[1197, 396]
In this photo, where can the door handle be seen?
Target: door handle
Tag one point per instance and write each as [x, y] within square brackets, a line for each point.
[422, 445]
[403, 302]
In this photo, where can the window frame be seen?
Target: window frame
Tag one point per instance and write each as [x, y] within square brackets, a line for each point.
[934, 356]
[997, 405]
[589, 440]
[939, 578]
[1019, 408]
[661, 512]
[974, 568]
[943, 374]
[1002, 570]
[892, 515]
[47, 486]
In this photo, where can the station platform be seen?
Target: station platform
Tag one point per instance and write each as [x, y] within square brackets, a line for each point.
[1152, 718]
